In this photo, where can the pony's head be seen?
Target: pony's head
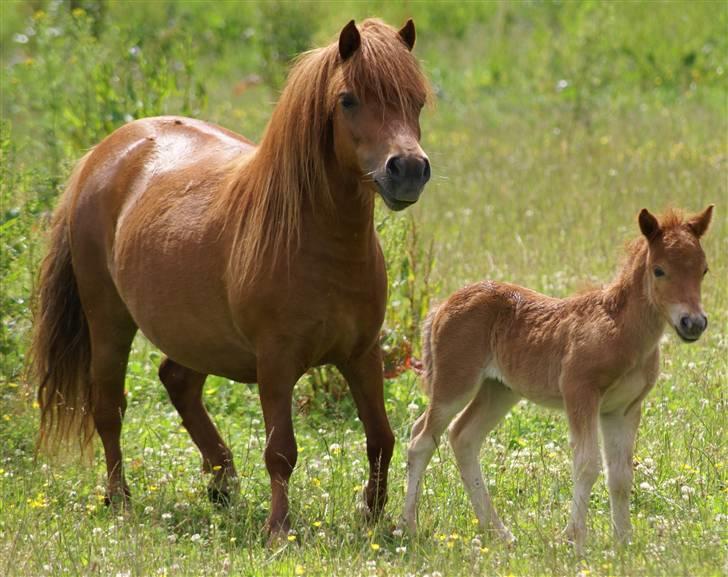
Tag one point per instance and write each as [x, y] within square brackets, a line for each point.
[377, 93]
[676, 266]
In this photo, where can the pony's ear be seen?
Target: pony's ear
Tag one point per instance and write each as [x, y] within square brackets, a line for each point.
[701, 221]
[349, 40]
[648, 224]
[407, 33]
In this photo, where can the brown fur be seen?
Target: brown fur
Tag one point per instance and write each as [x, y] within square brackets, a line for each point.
[596, 355]
[250, 263]
[60, 353]
[299, 127]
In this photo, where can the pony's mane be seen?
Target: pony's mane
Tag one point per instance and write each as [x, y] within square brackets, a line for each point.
[266, 192]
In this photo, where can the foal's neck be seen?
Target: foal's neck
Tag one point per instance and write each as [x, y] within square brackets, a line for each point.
[629, 300]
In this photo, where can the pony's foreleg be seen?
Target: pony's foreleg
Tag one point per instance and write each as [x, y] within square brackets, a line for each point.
[582, 409]
[467, 434]
[184, 387]
[366, 382]
[619, 432]
[277, 374]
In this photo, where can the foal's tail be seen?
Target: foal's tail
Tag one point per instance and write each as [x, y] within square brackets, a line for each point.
[60, 353]
[427, 351]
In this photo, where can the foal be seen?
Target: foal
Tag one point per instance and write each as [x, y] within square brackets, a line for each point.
[596, 355]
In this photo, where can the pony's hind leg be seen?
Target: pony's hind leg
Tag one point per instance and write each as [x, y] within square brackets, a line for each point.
[110, 346]
[184, 387]
[467, 434]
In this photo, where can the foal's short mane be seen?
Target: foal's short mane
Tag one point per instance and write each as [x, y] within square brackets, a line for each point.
[267, 191]
[636, 250]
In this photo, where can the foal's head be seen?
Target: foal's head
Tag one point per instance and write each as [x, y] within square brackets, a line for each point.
[376, 94]
[676, 266]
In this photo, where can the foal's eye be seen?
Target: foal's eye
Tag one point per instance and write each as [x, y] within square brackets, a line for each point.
[658, 272]
[705, 271]
[348, 100]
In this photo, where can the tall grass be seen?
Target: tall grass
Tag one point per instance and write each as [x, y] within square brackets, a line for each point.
[554, 124]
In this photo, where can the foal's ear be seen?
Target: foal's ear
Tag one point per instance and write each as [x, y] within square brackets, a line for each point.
[700, 222]
[349, 40]
[407, 33]
[648, 224]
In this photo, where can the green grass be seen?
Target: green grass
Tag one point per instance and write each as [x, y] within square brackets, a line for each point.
[533, 184]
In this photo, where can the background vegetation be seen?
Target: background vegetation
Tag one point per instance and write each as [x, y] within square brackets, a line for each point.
[555, 123]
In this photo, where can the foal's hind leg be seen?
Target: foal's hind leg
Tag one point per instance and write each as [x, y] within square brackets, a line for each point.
[429, 427]
[467, 434]
[185, 391]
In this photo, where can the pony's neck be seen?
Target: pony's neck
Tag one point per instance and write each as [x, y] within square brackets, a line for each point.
[351, 214]
[628, 297]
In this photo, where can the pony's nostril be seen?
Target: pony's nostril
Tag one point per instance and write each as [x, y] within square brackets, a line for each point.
[394, 167]
[426, 172]
[685, 323]
[703, 323]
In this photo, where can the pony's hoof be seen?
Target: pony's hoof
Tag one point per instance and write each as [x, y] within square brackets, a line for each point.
[219, 497]
[371, 508]
[118, 499]
[222, 492]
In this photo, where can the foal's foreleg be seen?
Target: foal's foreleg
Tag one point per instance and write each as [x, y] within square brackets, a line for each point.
[467, 434]
[365, 379]
[185, 391]
[619, 432]
[582, 409]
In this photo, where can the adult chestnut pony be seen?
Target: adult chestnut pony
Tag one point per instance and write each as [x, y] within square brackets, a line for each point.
[253, 263]
[595, 355]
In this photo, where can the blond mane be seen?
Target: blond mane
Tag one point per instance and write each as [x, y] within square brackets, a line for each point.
[267, 191]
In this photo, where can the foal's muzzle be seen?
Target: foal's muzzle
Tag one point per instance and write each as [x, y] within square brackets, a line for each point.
[403, 180]
[691, 327]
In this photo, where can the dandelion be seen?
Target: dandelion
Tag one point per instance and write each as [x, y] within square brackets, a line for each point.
[335, 448]
[316, 524]
[196, 538]
[291, 538]
[401, 549]
[397, 533]
[374, 546]
[300, 570]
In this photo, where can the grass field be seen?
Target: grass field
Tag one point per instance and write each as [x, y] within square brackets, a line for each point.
[554, 124]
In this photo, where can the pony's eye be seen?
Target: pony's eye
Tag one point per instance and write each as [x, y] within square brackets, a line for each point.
[705, 271]
[348, 100]
[658, 272]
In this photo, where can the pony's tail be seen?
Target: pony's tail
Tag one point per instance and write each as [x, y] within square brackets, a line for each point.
[60, 352]
[427, 351]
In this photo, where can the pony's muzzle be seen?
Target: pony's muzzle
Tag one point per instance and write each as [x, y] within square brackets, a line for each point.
[408, 172]
[692, 326]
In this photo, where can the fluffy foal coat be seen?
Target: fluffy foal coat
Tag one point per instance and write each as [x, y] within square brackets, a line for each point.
[595, 355]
